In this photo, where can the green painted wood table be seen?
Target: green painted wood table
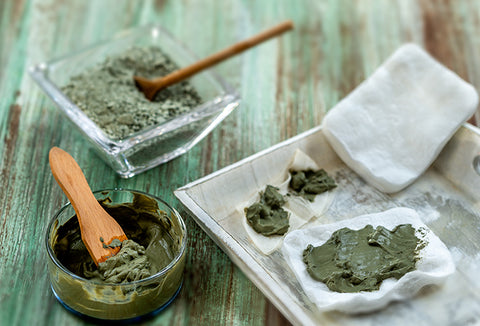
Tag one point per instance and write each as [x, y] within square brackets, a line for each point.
[286, 87]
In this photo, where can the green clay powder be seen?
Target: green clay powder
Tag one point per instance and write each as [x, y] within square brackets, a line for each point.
[107, 93]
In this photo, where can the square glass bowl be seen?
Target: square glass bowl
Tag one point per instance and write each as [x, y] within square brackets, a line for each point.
[157, 144]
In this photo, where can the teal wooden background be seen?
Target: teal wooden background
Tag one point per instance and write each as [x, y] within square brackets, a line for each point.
[286, 86]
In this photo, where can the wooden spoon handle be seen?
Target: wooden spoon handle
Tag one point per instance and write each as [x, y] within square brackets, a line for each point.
[215, 58]
[71, 179]
[95, 223]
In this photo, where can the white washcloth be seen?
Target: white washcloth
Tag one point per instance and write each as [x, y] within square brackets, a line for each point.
[434, 265]
[393, 125]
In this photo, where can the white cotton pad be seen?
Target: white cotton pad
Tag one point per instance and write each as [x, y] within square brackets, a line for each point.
[434, 265]
[393, 125]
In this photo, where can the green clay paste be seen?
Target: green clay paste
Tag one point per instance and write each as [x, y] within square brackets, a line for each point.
[115, 243]
[310, 183]
[107, 93]
[267, 216]
[149, 247]
[354, 261]
[128, 265]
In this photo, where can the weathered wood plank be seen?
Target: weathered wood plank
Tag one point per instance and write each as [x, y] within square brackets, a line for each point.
[286, 85]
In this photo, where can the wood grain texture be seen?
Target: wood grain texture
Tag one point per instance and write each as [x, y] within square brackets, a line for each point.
[286, 86]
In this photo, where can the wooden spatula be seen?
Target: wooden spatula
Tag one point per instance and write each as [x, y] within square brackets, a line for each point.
[95, 223]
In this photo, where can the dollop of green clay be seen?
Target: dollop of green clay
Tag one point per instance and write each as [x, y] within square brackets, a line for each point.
[115, 243]
[267, 216]
[310, 183]
[128, 265]
[359, 260]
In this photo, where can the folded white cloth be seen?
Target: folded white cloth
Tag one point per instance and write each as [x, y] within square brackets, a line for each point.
[393, 125]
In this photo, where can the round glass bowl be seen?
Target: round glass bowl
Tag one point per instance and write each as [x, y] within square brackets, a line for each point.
[125, 301]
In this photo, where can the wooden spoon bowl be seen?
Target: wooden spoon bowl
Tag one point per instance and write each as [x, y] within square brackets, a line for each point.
[95, 223]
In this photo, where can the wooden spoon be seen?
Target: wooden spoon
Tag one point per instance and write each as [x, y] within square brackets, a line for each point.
[151, 87]
[95, 222]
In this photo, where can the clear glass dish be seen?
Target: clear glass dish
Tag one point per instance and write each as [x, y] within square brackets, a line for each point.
[130, 301]
[158, 144]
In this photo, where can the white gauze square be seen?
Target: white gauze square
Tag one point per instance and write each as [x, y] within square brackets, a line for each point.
[393, 125]
[434, 265]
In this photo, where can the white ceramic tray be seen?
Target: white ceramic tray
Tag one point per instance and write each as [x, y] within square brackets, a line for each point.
[447, 197]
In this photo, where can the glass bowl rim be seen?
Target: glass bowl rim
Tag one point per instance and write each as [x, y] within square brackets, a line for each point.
[161, 272]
